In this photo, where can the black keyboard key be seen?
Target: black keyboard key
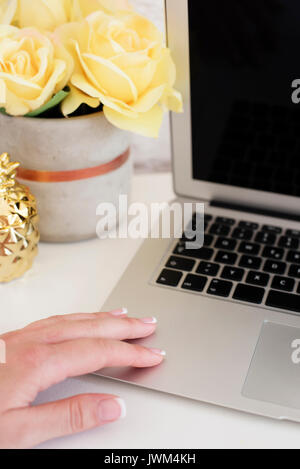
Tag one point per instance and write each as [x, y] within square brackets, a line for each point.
[233, 273]
[285, 301]
[263, 237]
[258, 278]
[249, 294]
[194, 283]
[207, 268]
[170, 278]
[208, 240]
[243, 234]
[250, 262]
[203, 253]
[294, 271]
[226, 243]
[293, 233]
[249, 248]
[273, 253]
[273, 267]
[249, 225]
[225, 221]
[221, 230]
[283, 283]
[179, 263]
[293, 257]
[224, 257]
[220, 288]
[289, 242]
[272, 229]
[180, 248]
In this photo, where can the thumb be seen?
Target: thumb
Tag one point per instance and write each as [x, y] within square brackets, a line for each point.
[28, 427]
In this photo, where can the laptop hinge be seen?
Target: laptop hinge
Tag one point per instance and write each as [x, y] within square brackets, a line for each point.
[257, 211]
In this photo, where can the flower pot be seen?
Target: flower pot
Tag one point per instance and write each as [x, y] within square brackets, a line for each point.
[70, 165]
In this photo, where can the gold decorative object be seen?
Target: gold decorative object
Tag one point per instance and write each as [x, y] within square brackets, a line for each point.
[19, 234]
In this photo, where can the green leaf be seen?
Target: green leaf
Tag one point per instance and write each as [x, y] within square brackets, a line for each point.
[57, 99]
[2, 111]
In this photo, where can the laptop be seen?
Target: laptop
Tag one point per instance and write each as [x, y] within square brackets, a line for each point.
[229, 311]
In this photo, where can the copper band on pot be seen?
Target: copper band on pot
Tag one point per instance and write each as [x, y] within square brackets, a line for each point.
[75, 175]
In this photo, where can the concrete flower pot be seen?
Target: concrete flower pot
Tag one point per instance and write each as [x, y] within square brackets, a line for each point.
[70, 165]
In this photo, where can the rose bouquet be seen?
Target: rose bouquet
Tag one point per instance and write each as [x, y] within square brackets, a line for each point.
[61, 58]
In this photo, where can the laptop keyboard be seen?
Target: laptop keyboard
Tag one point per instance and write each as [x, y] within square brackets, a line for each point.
[242, 261]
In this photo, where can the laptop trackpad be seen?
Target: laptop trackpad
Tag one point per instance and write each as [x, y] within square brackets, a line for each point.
[274, 374]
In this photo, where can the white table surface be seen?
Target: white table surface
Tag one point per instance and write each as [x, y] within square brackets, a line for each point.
[78, 278]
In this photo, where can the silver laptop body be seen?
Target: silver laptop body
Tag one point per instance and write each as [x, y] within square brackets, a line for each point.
[229, 316]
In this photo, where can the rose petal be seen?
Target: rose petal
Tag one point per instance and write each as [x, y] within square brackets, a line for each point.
[146, 124]
[8, 10]
[51, 86]
[172, 100]
[114, 5]
[144, 27]
[81, 82]
[74, 100]
[111, 78]
[138, 67]
[87, 70]
[15, 106]
[20, 86]
[148, 100]
[166, 70]
[43, 14]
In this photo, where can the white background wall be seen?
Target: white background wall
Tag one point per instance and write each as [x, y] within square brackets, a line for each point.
[152, 155]
[153, 9]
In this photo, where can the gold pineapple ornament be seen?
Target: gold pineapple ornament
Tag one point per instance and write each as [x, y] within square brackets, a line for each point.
[19, 235]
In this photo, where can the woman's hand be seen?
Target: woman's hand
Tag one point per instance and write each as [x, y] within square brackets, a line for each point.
[49, 351]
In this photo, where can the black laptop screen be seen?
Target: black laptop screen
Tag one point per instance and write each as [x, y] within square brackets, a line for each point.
[245, 81]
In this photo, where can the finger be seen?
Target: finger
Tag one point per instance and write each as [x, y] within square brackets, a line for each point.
[76, 317]
[38, 424]
[83, 356]
[105, 327]
[122, 312]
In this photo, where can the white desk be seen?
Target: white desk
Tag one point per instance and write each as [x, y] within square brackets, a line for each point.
[79, 277]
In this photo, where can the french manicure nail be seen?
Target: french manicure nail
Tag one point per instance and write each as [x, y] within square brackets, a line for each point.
[119, 312]
[111, 410]
[158, 351]
[149, 320]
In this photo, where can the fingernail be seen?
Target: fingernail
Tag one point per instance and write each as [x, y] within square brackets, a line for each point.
[111, 410]
[149, 320]
[119, 312]
[158, 351]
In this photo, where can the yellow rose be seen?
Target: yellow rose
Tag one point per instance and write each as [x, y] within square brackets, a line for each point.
[79, 9]
[121, 61]
[49, 14]
[8, 10]
[42, 14]
[32, 69]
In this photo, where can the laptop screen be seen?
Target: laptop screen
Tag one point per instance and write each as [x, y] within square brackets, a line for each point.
[245, 81]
